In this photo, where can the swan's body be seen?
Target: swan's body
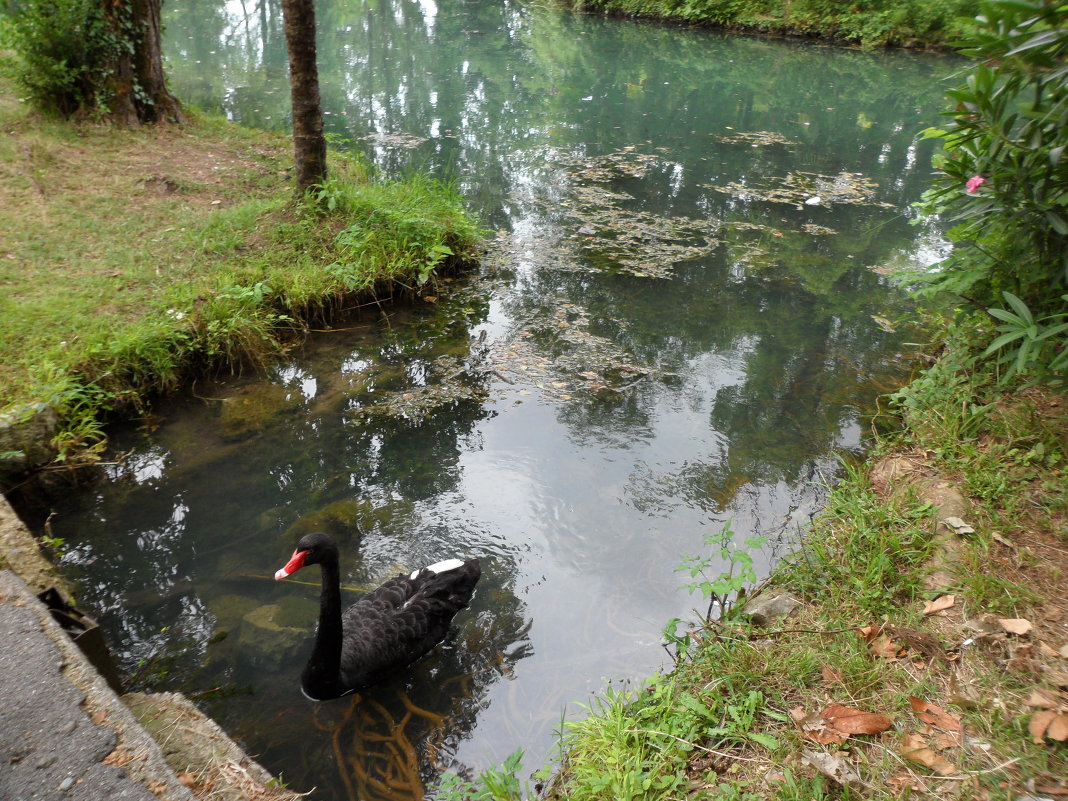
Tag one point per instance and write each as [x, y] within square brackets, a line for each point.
[385, 630]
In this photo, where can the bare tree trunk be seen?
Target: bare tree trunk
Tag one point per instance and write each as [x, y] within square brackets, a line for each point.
[309, 144]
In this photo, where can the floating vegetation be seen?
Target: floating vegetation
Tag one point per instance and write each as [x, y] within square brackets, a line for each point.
[755, 139]
[417, 403]
[402, 140]
[558, 355]
[612, 238]
[624, 163]
[812, 189]
[818, 230]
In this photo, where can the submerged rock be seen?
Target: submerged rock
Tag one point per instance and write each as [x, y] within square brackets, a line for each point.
[251, 410]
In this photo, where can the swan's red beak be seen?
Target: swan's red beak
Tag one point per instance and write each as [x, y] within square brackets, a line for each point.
[295, 563]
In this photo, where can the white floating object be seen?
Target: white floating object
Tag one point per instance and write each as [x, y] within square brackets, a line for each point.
[815, 200]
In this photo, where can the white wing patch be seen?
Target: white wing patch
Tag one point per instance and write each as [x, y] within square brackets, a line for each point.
[441, 567]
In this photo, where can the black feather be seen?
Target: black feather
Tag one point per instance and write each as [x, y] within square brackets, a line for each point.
[384, 631]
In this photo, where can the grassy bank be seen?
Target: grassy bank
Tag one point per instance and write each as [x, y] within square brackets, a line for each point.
[924, 658]
[130, 257]
[910, 23]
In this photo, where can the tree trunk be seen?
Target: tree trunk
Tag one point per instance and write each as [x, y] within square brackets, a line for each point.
[138, 87]
[309, 144]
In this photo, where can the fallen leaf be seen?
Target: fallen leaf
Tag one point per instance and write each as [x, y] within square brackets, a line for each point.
[852, 721]
[998, 538]
[1057, 677]
[915, 749]
[833, 767]
[831, 675]
[1041, 699]
[1058, 729]
[934, 715]
[939, 604]
[883, 647]
[869, 633]
[1040, 721]
[1015, 625]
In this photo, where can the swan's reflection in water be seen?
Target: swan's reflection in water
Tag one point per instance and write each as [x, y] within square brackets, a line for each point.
[377, 754]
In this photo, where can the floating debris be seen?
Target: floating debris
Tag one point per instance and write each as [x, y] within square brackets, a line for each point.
[448, 383]
[818, 230]
[401, 140]
[755, 139]
[808, 188]
[608, 236]
[556, 354]
[624, 163]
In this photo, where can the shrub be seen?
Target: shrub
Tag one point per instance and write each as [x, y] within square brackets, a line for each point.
[1004, 181]
[64, 52]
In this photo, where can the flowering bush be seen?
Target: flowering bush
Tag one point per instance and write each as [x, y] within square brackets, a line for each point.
[1003, 146]
[1004, 181]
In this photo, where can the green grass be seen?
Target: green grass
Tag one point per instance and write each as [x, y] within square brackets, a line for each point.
[130, 258]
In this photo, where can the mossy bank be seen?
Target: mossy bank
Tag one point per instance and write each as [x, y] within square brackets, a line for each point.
[131, 258]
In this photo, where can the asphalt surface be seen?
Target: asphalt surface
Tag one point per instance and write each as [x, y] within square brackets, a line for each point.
[59, 722]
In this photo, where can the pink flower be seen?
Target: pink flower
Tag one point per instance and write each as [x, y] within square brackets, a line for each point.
[974, 183]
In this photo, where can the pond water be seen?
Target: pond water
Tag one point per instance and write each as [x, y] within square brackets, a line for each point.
[684, 317]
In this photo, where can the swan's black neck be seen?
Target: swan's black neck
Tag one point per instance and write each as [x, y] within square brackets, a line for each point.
[322, 675]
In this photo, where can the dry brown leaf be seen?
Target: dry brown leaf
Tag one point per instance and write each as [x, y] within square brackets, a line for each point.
[852, 721]
[1057, 677]
[939, 604]
[1038, 724]
[1041, 699]
[1015, 625]
[946, 739]
[831, 675]
[915, 749]
[884, 648]
[1058, 729]
[934, 715]
[869, 633]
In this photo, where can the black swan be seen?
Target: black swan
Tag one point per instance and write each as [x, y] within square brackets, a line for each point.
[385, 630]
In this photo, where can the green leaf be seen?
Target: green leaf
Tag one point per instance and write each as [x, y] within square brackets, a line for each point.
[765, 740]
[1002, 341]
[1018, 306]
